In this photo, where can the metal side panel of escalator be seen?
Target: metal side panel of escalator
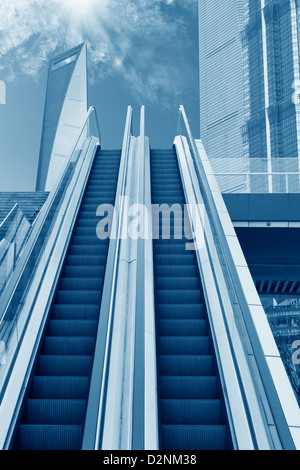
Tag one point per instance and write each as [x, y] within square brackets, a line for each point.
[54, 410]
[192, 412]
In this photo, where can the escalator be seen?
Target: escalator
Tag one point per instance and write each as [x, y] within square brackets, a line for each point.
[191, 406]
[54, 409]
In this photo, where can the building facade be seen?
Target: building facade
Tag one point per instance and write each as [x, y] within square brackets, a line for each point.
[221, 77]
[270, 40]
[65, 110]
[249, 78]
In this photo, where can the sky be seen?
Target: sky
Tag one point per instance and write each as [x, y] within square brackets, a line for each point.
[140, 52]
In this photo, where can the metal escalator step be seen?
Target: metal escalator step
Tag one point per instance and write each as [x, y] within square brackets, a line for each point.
[88, 200]
[190, 411]
[168, 200]
[47, 437]
[186, 327]
[91, 272]
[88, 250]
[89, 223]
[82, 260]
[174, 271]
[54, 411]
[194, 437]
[169, 283]
[68, 345]
[185, 259]
[184, 345]
[187, 387]
[75, 312]
[83, 283]
[171, 248]
[186, 365]
[59, 387]
[64, 365]
[87, 240]
[182, 296]
[177, 311]
[72, 328]
[78, 297]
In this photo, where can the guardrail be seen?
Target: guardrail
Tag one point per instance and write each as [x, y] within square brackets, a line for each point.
[14, 232]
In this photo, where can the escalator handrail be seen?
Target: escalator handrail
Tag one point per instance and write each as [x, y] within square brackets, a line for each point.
[274, 403]
[95, 415]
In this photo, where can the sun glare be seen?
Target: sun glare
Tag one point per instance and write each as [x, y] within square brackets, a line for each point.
[78, 6]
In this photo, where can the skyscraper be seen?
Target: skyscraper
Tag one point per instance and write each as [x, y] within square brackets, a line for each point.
[65, 108]
[221, 77]
[270, 41]
[249, 77]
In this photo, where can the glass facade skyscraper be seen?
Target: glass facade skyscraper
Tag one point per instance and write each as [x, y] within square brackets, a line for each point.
[262, 76]
[65, 109]
[221, 77]
[270, 39]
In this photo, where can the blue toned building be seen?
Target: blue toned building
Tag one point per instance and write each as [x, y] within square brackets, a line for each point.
[65, 108]
[249, 78]
[271, 44]
[221, 77]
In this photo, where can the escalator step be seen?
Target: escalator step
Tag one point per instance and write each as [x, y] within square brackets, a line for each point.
[178, 260]
[168, 283]
[179, 296]
[184, 345]
[194, 437]
[178, 311]
[81, 260]
[68, 345]
[59, 387]
[188, 387]
[174, 271]
[184, 327]
[78, 297]
[88, 250]
[77, 328]
[186, 365]
[54, 411]
[88, 284]
[75, 312]
[64, 365]
[90, 272]
[190, 411]
[49, 437]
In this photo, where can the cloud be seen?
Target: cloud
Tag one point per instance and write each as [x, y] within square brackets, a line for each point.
[147, 43]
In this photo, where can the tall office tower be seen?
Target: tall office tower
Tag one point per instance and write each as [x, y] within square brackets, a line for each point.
[65, 108]
[271, 71]
[249, 78]
[221, 77]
